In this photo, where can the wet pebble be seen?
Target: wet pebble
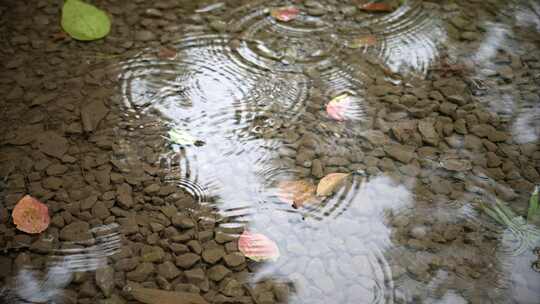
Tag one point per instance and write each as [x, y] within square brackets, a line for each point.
[187, 260]
[234, 259]
[145, 36]
[105, 280]
[218, 272]
[76, 231]
[168, 270]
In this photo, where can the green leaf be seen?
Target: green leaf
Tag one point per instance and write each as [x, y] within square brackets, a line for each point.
[83, 21]
[181, 137]
[534, 208]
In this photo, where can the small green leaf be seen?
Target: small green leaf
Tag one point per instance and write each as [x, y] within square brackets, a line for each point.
[181, 137]
[534, 208]
[84, 21]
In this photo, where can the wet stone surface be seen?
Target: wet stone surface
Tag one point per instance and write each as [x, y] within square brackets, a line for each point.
[445, 114]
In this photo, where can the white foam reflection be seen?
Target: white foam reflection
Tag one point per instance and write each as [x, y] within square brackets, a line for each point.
[35, 286]
[526, 126]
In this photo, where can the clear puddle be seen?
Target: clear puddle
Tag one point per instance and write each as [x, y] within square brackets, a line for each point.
[194, 122]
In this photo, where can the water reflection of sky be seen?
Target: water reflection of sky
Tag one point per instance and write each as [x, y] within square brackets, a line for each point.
[230, 105]
[220, 100]
[344, 250]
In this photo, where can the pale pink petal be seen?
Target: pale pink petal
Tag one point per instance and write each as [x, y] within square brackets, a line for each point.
[257, 246]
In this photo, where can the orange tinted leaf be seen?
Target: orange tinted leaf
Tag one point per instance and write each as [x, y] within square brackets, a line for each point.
[30, 215]
[328, 184]
[296, 192]
[166, 53]
[363, 41]
[257, 246]
[379, 7]
[285, 14]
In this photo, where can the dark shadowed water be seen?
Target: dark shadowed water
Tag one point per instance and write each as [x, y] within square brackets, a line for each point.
[440, 116]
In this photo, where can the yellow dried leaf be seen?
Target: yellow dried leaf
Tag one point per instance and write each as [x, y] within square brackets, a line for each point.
[330, 183]
[296, 192]
[364, 41]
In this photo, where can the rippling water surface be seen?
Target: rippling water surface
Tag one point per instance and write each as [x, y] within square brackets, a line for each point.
[442, 112]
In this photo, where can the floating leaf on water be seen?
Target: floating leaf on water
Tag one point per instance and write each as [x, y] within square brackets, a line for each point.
[296, 192]
[337, 107]
[285, 14]
[328, 184]
[182, 138]
[30, 215]
[364, 41]
[534, 208]
[166, 53]
[257, 247]
[156, 296]
[84, 21]
[377, 7]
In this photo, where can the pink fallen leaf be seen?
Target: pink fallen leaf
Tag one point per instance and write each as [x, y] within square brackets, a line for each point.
[296, 192]
[285, 14]
[257, 247]
[377, 7]
[345, 107]
[337, 106]
[30, 215]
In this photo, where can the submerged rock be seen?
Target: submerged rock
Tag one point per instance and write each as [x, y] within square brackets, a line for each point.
[92, 114]
[52, 144]
[105, 280]
[401, 153]
[76, 231]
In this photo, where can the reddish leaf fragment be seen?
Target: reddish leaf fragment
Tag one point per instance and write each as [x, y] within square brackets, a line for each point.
[364, 41]
[285, 14]
[30, 215]
[377, 7]
[59, 36]
[257, 246]
[166, 53]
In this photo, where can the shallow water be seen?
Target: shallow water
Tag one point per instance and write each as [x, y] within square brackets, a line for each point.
[441, 113]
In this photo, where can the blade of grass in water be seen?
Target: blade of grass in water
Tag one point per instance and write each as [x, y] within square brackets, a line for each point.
[534, 209]
[527, 235]
[506, 214]
[494, 215]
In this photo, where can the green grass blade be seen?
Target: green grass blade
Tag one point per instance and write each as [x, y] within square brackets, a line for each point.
[491, 213]
[504, 208]
[504, 213]
[534, 209]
